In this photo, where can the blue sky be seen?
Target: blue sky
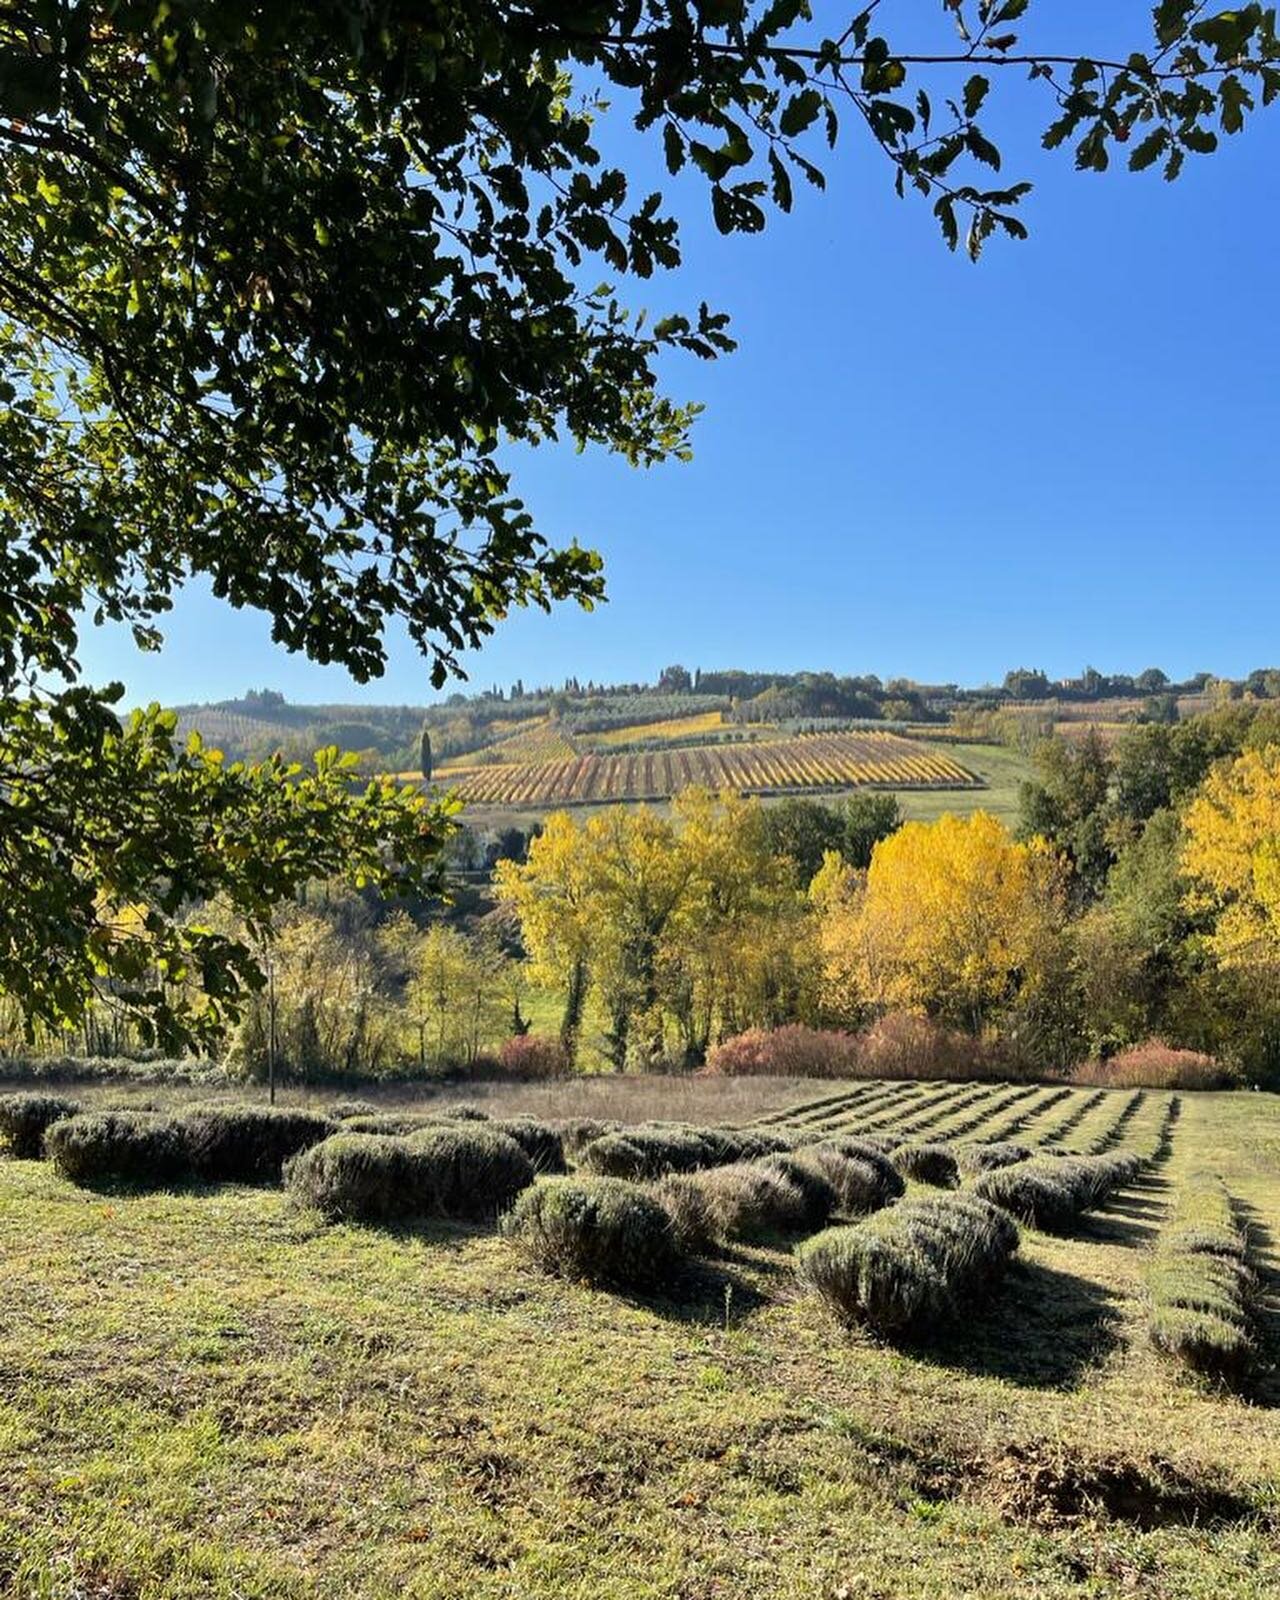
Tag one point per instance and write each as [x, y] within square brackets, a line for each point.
[913, 466]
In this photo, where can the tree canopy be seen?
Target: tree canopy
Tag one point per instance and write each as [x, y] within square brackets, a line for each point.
[277, 281]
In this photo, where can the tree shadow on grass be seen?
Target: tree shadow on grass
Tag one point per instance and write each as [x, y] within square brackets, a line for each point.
[1132, 1218]
[1263, 1386]
[1041, 1329]
[714, 1292]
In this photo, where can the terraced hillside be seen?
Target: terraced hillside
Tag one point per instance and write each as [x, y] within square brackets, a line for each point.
[808, 763]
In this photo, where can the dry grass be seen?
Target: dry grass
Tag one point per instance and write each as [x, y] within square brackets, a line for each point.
[606, 1098]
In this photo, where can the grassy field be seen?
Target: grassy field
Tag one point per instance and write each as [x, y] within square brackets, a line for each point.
[210, 1394]
[1001, 770]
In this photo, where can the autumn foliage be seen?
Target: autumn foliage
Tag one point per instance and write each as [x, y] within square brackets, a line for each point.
[953, 917]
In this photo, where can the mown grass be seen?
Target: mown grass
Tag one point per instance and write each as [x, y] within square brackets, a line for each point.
[210, 1394]
[1001, 769]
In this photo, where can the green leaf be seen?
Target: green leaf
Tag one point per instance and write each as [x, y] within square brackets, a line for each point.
[800, 112]
[945, 211]
[781, 182]
[975, 92]
[673, 147]
[1149, 151]
[1234, 100]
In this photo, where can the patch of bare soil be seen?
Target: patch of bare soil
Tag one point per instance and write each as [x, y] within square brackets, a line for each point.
[1040, 1483]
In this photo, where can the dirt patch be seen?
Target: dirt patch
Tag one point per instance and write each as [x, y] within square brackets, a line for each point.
[1042, 1484]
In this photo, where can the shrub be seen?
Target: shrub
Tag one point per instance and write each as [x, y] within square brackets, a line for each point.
[684, 1200]
[1199, 1285]
[646, 1152]
[248, 1144]
[1153, 1064]
[794, 1051]
[390, 1124]
[751, 1200]
[859, 1186]
[1051, 1193]
[976, 1158]
[452, 1172]
[25, 1117]
[1205, 1342]
[602, 1230]
[356, 1177]
[873, 1153]
[743, 1144]
[539, 1141]
[531, 1058]
[126, 1147]
[616, 1156]
[651, 1150]
[816, 1191]
[342, 1110]
[928, 1163]
[461, 1113]
[113, 1069]
[904, 1045]
[910, 1267]
[578, 1132]
[468, 1172]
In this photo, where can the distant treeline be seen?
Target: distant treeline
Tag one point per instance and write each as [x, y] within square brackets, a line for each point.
[262, 722]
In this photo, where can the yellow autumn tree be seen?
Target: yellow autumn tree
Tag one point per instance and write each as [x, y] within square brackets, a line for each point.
[956, 918]
[836, 896]
[551, 895]
[1231, 855]
[740, 952]
[684, 928]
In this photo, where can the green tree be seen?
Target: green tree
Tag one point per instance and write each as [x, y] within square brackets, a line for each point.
[866, 819]
[802, 831]
[275, 283]
[1026, 683]
[1067, 803]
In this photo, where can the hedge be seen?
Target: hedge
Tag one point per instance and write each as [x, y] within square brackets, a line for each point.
[539, 1141]
[859, 1186]
[908, 1268]
[25, 1117]
[248, 1144]
[601, 1230]
[1199, 1283]
[458, 1172]
[1050, 1193]
[127, 1147]
[934, 1164]
[976, 1158]
[651, 1150]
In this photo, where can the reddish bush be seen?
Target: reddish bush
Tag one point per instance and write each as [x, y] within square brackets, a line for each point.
[1153, 1064]
[530, 1058]
[898, 1045]
[904, 1045]
[791, 1052]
